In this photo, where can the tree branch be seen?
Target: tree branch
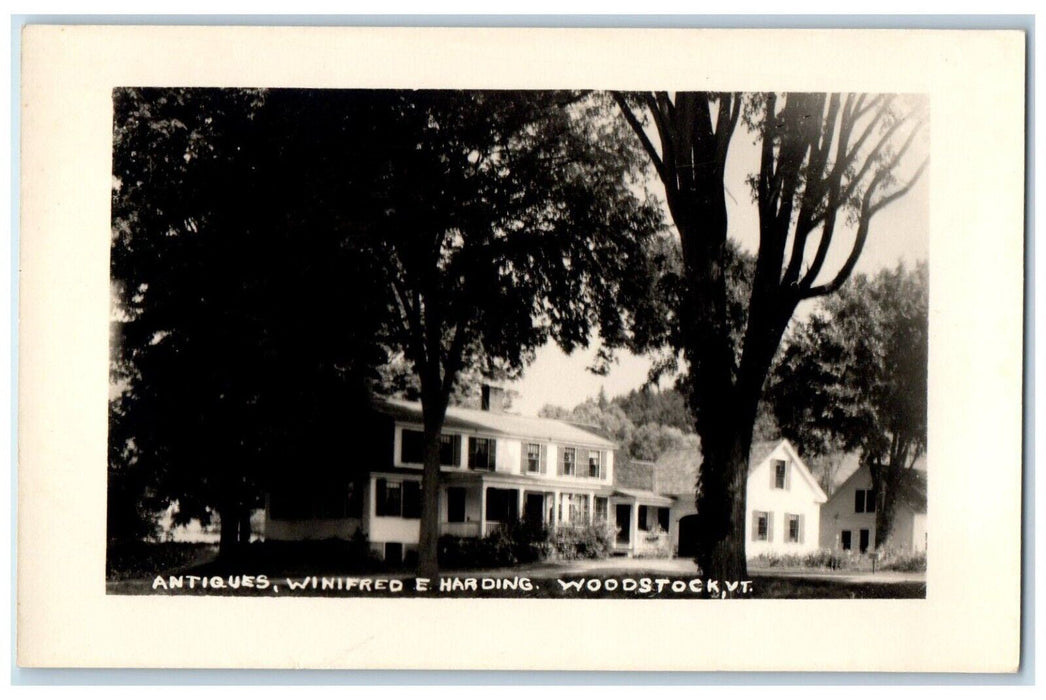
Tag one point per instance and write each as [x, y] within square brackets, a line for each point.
[894, 196]
[637, 127]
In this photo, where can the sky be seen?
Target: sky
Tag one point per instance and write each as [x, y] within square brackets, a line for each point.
[900, 232]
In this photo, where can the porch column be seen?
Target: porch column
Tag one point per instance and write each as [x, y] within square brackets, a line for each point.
[634, 526]
[482, 509]
[372, 498]
[519, 504]
[555, 507]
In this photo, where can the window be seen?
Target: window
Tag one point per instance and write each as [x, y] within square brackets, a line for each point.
[780, 473]
[795, 530]
[412, 448]
[864, 501]
[575, 506]
[864, 541]
[389, 498]
[602, 509]
[481, 454]
[593, 463]
[761, 526]
[641, 519]
[394, 552]
[455, 504]
[396, 499]
[569, 461]
[502, 506]
[847, 540]
[532, 458]
[411, 499]
[450, 450]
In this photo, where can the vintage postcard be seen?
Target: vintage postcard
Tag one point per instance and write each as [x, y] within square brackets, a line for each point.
[521, 349]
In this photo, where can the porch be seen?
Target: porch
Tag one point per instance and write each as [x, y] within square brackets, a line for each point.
[476, 509]
[642, 520]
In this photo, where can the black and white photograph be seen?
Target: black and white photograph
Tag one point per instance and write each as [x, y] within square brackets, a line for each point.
[518, 343]
[506, 332]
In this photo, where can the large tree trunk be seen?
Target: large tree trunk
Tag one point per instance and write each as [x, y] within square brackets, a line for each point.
[229, 515]
[721, 504]
[886, 480]
[434, 409]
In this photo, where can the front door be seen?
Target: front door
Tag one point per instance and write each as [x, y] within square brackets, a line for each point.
[864, 541]
[623, 515]
[534, 508]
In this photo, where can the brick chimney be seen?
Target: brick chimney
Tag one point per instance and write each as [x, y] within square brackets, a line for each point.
[492, 399]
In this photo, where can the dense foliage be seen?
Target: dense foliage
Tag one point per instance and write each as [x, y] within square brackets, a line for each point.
[853, 376]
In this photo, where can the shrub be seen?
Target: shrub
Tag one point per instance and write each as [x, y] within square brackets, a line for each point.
[820, 559]
[126, 560]
[903, 561]
[509, 544]
[583, 541]
[521, 542]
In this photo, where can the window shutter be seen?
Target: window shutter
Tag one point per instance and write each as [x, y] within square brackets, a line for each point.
[524, 453]
[602, 464]
[559, 466]
[770, 527]
[773, 474]
[380, 497]
[755, 526]
[543, 459]
[802, 528]
[788, 476]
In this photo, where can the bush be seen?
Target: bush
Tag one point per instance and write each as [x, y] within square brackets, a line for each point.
[903, 561]
[583, 542]
[126, 560]
[509, 544]
[821, 559]
[888, 560]
[525, 543]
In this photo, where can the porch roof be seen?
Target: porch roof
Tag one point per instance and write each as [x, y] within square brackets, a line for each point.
[526, 482]
[648, 498]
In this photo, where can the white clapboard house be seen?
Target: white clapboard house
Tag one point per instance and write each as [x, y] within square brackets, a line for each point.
[496, 468]
[499, 468]
[848, 518]
[783, 501]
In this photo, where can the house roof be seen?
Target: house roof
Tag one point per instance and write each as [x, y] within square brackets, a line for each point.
[633, 473]
[912, 491]
[676, 471]
[490, 422]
